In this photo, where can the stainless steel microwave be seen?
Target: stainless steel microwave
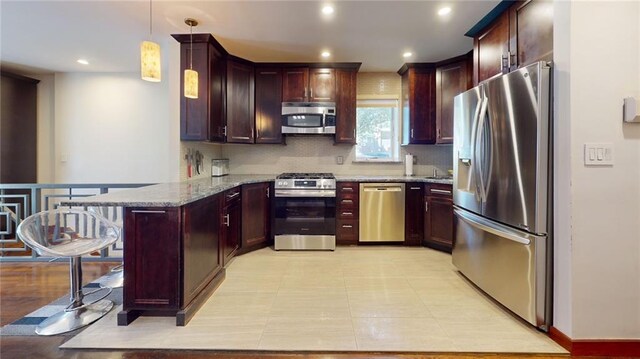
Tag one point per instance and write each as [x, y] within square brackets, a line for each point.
[309, 118]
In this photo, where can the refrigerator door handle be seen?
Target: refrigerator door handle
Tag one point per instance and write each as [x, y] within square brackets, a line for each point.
[479, 173]
[486, 225]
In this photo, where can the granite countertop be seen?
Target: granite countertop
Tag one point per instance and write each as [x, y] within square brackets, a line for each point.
[176, 194]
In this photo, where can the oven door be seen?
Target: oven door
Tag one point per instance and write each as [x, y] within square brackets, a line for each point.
[305, 215]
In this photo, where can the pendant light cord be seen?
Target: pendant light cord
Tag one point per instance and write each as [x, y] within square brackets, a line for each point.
[191, 52]
[150, 20]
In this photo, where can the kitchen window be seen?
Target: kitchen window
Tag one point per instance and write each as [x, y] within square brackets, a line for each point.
[377, 131]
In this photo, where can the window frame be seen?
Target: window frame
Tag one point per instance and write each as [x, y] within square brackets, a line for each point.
[392, 102]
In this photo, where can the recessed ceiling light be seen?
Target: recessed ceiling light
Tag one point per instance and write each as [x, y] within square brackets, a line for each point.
[327, 9]
[444, 11]
[325, 54]
[407, 54]
[83, 62]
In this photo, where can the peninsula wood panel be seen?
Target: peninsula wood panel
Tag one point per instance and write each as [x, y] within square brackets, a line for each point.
[152, 258]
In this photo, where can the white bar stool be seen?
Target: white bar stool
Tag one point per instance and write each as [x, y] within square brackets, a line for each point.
[70, 233]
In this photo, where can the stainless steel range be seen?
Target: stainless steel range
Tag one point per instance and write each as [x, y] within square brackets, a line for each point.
[305, 211]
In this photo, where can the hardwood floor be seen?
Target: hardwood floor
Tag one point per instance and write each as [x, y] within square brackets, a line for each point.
[25, 287]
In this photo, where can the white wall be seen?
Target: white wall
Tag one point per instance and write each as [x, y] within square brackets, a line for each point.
[598, 236]
[45, 128]
[114, 128]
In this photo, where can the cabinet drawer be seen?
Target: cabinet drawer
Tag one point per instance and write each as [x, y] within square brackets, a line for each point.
[232, 195]
[348, 189]
[439, 190]
[347, 232]
[347, 213]
[347, 203]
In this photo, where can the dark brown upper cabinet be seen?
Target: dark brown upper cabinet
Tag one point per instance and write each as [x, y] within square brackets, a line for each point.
[491, 51]
[240, 101]
[322, 85]
[346, 106]
[268, 105]
[204, 118]
[452, 78]
[303, 84]
[531, 32]
[295, 84]
[520, 35]
[418, 103]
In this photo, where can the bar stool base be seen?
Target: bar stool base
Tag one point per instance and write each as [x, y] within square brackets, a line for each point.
[66, 321]
[114, 280]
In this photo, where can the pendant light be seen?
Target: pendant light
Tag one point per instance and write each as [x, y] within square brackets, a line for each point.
[150, 56]
[191, 76]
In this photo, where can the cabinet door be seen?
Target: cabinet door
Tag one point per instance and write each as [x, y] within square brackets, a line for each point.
[295, 84]
[451, 80]
[218, 89]
[346, 106]
[152, 259]
[418, 107]
[414, 214]
[439, 222]
[531, 32]
[268, 105]
[491, 50]
[240, 105]
[194, 113]
[231, 227]
[255, 214]
[201, 238]
[322, 85]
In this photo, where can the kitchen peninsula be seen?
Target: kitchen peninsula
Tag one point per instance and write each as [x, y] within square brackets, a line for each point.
[180, 236]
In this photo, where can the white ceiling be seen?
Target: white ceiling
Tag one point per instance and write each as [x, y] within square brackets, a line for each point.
[50, 36]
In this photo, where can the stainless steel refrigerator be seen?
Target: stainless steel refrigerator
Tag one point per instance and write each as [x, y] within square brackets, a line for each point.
[502, 190]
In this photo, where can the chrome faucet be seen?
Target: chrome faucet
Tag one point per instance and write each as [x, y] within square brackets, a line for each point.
[435, 172]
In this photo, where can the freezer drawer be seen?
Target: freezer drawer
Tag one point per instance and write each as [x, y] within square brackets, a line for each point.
[506, 263]
[382, 212]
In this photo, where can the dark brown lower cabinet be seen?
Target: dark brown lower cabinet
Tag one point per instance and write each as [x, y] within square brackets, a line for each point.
[172, 259]
[438, 224]
[347, 213]
[414, 217]
[231, 224]
[256, 216]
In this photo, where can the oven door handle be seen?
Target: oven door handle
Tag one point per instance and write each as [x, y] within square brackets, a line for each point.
[304, 193]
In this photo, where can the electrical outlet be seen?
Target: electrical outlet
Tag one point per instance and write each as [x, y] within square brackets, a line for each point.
[340, 160]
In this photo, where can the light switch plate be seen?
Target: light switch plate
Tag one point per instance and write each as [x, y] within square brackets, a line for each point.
[598, 154]
[339, 160]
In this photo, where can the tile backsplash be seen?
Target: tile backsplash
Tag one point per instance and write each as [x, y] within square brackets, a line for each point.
[319, 154]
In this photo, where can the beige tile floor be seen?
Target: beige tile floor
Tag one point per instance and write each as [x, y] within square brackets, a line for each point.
[356, 298]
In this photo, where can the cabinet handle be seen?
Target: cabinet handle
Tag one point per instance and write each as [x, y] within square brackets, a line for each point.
[311, 93]
[441, 191]
[241, 137]
[512, 59]
[438, 135]
[414, 187]
[267, 192]
[354, 133]
[426, 206]
[347, 213]
[347, 201]
[268, 73]
[147, 211]
[232, 196]
[347, 226]
[412, 133]
[225, 220]
[305, 92]
[347, 189]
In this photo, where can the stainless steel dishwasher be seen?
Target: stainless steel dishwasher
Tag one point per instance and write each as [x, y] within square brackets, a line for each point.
[381, 212]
